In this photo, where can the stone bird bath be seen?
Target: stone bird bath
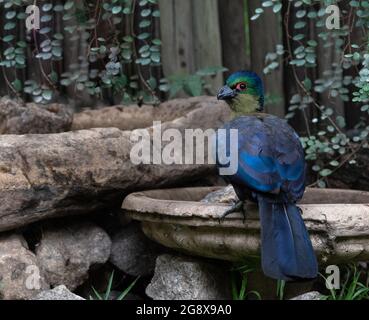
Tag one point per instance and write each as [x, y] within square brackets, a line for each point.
[337, 220]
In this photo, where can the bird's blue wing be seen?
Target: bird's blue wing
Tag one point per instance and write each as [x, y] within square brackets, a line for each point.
[270, 155]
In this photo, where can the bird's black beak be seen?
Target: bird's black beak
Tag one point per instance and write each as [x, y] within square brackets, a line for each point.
[226, 93]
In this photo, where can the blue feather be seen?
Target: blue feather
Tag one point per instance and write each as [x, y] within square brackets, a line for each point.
[287, 252]
[259, 163]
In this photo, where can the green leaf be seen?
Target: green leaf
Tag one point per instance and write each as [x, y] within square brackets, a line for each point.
[152, 83]
[193, 86]
[20, 60]
[9, 51]
[312, 43]
[145, 13]
[116, 9]
[10, 14]
[128, 38]
[8, 38]
[57, 51]
[267, 3]
[300, 25]
[310, 58]
[334, 163]
[155, 57]
[47, 94]
[156, 14]
[307, 84]
[354, 4]
[144, 23]
[47, 7]
[321, 184]
[17, 84]
[58, 36]
[9, 26]
[143, 36]
[211, 71]
[316, 168]
[325, 172]
[53, 76]
[68, 5]
[298, 37]
[164, 87]
[156, 42]
[300, 14]
[22, 44]
[277, 7]
[46, 18]
[127, 54]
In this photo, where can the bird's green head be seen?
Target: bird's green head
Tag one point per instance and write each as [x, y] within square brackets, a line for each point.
[244, 92]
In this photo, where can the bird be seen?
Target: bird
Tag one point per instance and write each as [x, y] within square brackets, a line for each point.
[271, 172]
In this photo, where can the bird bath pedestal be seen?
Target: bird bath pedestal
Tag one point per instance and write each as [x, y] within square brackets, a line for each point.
[337, 220]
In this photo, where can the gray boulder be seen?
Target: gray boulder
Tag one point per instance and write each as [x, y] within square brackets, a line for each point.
[67, 253]
[81, 172]
[225, 195]
[313, 295]
[17, 117]
[58, 293]
[185, 278]
[132, 252]
[20, 275]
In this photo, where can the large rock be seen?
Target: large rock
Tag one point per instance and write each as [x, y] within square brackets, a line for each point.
[19, 118]
[58, 293]
[43, 176]
[20, 275]
[132, 252]
[66, 253]
[312, 295]
[226, 195]
[184, 278]
[125, 117]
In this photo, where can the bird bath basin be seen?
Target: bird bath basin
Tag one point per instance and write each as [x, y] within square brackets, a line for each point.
[337, 220]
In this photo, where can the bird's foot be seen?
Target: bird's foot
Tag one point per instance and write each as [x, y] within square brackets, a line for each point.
[235, 208]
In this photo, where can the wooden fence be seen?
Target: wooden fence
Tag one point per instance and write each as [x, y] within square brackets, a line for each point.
[202, 33]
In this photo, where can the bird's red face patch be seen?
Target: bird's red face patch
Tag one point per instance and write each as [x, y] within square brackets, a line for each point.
[241, 86]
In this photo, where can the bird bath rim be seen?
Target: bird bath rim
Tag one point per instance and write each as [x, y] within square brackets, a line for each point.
[337, 220]
[166, 205]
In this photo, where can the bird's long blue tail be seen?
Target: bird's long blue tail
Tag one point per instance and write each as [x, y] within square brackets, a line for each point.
[287, 252]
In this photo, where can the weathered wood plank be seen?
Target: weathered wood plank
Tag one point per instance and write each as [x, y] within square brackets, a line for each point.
[177, 37]
[233, 33]
[207, 41]
[191, 37]
[265, 34]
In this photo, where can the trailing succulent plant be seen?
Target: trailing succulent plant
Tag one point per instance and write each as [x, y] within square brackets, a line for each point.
[327, 143]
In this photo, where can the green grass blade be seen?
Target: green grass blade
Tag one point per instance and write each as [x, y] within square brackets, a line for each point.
[255, 293]
[129, 288]
[98, 296]
[280, 289]
[360, 294]
[234, 287]
[108, 289]
[243, 287]
[332, 291]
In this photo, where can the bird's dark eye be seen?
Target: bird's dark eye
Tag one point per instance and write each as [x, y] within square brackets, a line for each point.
[241, 86]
